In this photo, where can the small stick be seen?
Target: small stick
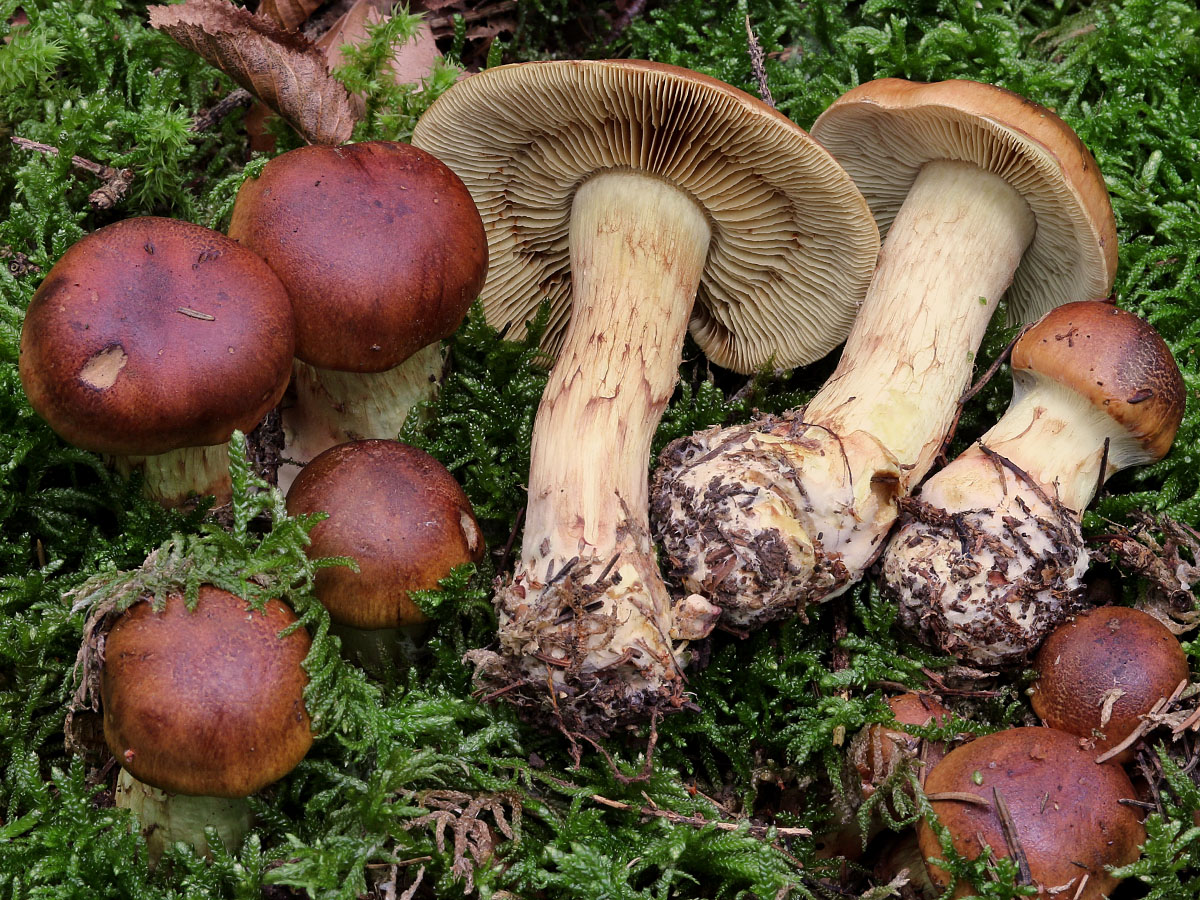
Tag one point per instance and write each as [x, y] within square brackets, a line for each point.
[975, 389]
[958, 797]
[757, 64]
[1144, 726]
[114, 182]
[698, 821]
[632, 11]
[1009, 828]
[207, 118]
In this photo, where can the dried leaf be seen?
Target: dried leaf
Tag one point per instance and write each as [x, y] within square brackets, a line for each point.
[412, 61]
[283, 69]
[291, 14]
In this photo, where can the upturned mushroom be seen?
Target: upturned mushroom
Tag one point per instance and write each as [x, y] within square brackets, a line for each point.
[403, 519]
[990, 556]
[202, 709]
[980, 194]
[151, 341]
[1100, 672]
[639, 201]
[1042, 798]
[382, 253]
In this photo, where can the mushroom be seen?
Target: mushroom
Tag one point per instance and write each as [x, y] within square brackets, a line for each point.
[878, 749]
[1100, 672]
[153, 340]
[990, 556]
[382, 253]
[979, 192]
[1063, 810]
[202, 709]
[876, 752]
[403, 518]
[617, 191]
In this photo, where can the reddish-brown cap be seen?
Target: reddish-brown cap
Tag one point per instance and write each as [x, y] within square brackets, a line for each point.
[1114, 359]
[793, 244]
[877, 749]
[1101, 671]
[398, 513]
[884, 131]
[151, 334]
[207, 703]
[1065, 810]
[379, 244]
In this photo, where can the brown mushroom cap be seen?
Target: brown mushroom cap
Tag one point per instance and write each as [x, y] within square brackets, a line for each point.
[398, 513]
[206, 703]
[876, 749]
[793, 245]
[151, 334]
[1064, 807]
[379, 244]
[1115, 360]
[884, 131]
[1099, 672]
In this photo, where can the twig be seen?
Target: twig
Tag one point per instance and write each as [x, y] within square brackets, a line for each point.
[114, 182]
[975, 389]
[1144, 726]
[958, 797]
[623, 21]
[647, 767]
[757, 59]
[698, 821]
[207, 118]
[508, 545]
[1009, 827]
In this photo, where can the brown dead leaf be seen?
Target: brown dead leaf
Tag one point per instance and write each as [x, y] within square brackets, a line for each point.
[291, 14]
[283, 69]
[412, 61]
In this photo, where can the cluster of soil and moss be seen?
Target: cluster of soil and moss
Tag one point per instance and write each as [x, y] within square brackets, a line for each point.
[416, 787]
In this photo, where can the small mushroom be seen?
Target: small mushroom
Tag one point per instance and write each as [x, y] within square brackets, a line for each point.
[153, 340]
[980, 194]
[877, 750]
[1101, 671]
[1041, 797]
[202, 709]
[382, 253]
[403, 518]
[990, 556]
[639, 201]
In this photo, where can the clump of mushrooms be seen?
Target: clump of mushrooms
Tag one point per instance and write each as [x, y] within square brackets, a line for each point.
[980, 194]
[639, 201]
[382, 253]
[404, 520]
[202, 709]
[1100, 672]
[152, 340]
[990, 556]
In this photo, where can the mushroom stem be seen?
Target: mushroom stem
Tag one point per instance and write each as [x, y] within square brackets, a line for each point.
[1057, 438]
[171, 478]
[380, 650]
[586, 606]
[330, 407]
[767, 517]
[167, 819]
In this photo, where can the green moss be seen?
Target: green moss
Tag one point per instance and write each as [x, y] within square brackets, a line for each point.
[415, 772]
